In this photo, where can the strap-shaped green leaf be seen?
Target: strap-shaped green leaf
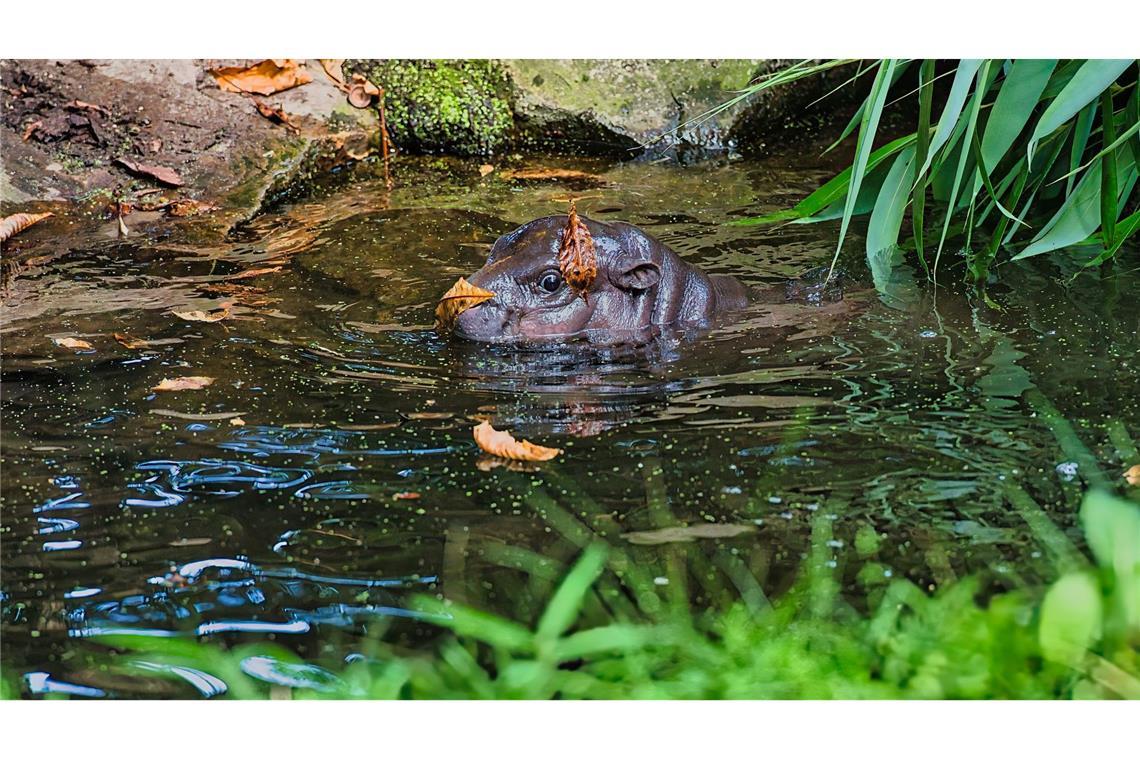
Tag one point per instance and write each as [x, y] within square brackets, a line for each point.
[867, 130]
[1087, 84]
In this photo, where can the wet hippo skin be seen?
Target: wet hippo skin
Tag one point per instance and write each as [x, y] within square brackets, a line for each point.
[640, 284]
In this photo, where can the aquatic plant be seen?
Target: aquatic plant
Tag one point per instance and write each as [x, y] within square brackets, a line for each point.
[1080, 640]
[1024, 157]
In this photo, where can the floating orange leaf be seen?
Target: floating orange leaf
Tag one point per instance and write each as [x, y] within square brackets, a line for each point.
[265, 78]
[71, 343]
[237, 421]
[486, 169]
[461, 297]
[502, 444]
[190, 383]
[576, 257]
[129, 342]
[1132, 475]
[16, 223]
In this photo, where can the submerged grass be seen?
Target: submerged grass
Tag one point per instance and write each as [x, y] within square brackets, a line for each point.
[1041, 154]
[1080, 639]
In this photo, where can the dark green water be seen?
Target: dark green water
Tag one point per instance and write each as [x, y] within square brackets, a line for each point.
[354, 482]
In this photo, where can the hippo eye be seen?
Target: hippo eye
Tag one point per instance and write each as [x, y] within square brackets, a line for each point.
[550, 282]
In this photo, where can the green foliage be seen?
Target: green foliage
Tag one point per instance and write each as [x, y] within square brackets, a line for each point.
[1051, 144]
[1082, 640]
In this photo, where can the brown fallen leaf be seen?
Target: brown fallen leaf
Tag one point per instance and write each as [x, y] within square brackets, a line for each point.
[197, 315]
[264, 78]
[237, 421]
[190, 383]
[406, 496]
[163, 174]
[275, 115]
[79, 105]
[129, 342]
[31, 129]
[1132, 475]
[502, 444]
[486, 169]
[458, 299]
[17, 223]
[686, 533]
[71, 343]
[576, 257]
[334, 67]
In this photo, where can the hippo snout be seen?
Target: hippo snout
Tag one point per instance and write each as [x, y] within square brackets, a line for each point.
[485, 322]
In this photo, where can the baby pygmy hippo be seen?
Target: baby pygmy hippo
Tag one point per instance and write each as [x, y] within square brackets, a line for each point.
[639, 284]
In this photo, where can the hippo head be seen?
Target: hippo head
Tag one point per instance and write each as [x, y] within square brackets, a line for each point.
[639, 284]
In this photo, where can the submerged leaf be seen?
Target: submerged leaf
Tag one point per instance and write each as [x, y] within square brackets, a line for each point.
[129, 342]
[458, 299]
[190, 383]
[16, 223]
[265, 78]
[577, 259]
[197, 315]
[503, 444]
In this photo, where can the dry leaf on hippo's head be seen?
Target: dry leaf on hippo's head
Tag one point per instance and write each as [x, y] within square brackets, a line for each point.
[458, 299]
[500, 443]
[264, 78]
[190, 383]
[577, 258]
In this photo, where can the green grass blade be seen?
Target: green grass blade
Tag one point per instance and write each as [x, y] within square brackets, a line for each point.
[1125, 228]
[1080, 141]
[959, 90]
[971, 125]
[1090, 80]
[1108, 209]
[833, 191]
[1079, 216]
[1121, 139]
[564, 607]
[476, 624]
[886, 217]
[984, 174]
[857, 117]
[922, 148]
[1016, 100]
[867, 130]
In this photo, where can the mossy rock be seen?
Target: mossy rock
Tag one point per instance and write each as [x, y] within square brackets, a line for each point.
[460, 107]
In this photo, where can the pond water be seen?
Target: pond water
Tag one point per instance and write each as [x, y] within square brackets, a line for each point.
[328, 473]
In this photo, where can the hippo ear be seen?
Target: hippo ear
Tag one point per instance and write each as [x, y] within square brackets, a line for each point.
[638, 275]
